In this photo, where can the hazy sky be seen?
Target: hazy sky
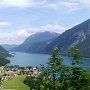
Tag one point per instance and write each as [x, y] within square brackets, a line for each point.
[20, 18]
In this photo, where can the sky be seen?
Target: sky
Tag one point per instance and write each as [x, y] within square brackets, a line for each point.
[21, 18]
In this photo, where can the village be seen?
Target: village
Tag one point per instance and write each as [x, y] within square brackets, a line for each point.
[6, 72]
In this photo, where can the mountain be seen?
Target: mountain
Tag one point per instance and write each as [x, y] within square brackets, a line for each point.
[3, 52]
[78, 36]
[44, 42]
[35, 38]
[9, 47]
[38, 47]
[3, 56]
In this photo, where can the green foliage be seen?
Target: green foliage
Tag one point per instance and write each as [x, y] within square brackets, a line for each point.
[58, 76]
[75, 55]
[78, 75]
[4, 61]
[33, 82]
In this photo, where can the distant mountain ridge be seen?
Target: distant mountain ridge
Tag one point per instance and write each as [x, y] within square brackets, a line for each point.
[35, 38]
[8, 47]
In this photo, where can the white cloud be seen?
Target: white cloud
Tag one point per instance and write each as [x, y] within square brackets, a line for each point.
[20, 3]
[18, 36]
[23, 33]
[85, 2]
[4, 25]
[13, 3]
[13, 37]
[69, 4]
[53, 28]
[49, 27]
[35, 3]
[52, 5]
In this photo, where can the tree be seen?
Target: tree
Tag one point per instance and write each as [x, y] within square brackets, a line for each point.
[78, 74]
[54, 66]
[49, 74]
[58, 76]
[56, 73]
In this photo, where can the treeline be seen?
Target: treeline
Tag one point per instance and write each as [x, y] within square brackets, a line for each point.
[4, 61]
[58, 76]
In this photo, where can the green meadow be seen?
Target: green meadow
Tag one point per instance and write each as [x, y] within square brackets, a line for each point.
[15, 83]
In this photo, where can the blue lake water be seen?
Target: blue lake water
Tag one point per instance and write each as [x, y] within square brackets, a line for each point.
[25, 59]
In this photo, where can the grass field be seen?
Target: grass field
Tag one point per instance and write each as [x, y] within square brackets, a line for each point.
[15, 83]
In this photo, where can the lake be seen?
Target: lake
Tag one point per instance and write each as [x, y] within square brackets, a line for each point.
[25, 59]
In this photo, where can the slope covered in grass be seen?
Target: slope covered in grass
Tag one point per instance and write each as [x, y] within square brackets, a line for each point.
[15, 83]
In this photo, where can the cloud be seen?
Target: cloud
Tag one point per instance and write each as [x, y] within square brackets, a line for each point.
[52, 5]
[20, 3]
[49, 27]
[13, 37]
[38, 3]
[18, 36]
[4, 25]
[69, 4]
[53, 28]
[85, 2]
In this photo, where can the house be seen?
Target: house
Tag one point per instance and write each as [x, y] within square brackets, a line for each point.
[36, 72]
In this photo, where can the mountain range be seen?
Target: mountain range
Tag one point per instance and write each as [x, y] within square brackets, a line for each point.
[35, 38]
[44, 42]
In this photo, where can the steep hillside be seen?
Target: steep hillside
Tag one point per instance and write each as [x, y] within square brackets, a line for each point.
[4, 52]
[78, 36]
[35, 38]
[38, 47]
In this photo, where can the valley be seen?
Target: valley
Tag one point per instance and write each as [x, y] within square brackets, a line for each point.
[44, 42]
